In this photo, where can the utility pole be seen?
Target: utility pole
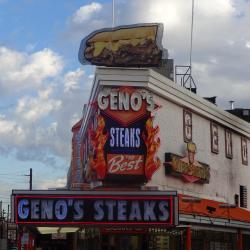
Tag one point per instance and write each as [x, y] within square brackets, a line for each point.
[30, 175]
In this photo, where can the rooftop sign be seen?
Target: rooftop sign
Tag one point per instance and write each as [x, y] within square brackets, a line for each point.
[125, 140]
[129, 46]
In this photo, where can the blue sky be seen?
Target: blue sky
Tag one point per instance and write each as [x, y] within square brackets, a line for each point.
[43, 86]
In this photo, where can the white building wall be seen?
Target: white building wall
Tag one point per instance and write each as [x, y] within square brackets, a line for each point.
[226, 174]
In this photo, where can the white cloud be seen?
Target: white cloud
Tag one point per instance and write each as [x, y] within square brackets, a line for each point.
[71, 80]
[84, 13]
[215, 8]
[37, 127]
[10, 129]
[60, 182]
[34, 108]
[248, 45]
[20, 70]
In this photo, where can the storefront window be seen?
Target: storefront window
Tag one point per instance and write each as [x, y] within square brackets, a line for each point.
[246, 241]
[134, 239]
[213, 240]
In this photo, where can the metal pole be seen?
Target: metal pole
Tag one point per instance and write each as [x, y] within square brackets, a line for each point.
[30, 178]
[113, 13]
[191, 42]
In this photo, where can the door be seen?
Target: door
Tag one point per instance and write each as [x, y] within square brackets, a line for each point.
[123, 242]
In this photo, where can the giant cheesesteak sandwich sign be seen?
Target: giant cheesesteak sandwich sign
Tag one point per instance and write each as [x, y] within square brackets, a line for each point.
[130, 45]
[125, 141]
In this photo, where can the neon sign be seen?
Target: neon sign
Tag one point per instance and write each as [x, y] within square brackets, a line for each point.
[100, 209]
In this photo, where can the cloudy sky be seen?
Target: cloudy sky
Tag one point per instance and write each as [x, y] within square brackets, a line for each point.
[43, 86]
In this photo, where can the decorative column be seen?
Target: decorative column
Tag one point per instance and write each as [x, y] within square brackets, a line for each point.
[188, 238]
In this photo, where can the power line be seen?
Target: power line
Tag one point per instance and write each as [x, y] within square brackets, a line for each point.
[13, 177]
[12, 174]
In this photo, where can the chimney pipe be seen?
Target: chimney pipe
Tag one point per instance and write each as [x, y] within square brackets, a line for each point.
[231, 105]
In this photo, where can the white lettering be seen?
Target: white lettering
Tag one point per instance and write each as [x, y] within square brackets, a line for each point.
[132, 137]
[47, 209]
[121, 164]
[61, 209]
[123, 101]
[112, 138]
[135, 213]
[136, 101]
[110, 205]
[103, 102]
[163, 207]
[121, 137]
[150, 102]
[122, 209]
[99, 210]
[35, 209]
[78, 206]
[137, 141]
[119, 100]
[23, 212]
[149, 213]
[125, 137]
[113, 100]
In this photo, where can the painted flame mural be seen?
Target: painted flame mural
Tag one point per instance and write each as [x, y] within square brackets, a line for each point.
[98, 139]
[152, 143]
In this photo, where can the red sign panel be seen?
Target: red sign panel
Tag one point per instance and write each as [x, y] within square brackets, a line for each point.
[125, 140]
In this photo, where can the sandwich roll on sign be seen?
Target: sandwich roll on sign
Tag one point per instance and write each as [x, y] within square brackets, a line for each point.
[130, 45]
[125, 141]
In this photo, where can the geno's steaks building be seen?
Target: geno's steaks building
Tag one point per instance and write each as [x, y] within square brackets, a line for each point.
[154, 166]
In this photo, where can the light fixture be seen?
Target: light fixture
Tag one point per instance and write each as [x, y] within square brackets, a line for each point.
[211, 209]
[56, 230]
[68, 229]
[47, 230]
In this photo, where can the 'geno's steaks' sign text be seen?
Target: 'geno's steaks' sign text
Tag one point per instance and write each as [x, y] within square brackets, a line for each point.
[95, 209]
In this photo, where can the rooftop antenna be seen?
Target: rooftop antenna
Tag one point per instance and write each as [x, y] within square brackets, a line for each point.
[191, 39]
[113, 13]
[231, 105]
[184, 73]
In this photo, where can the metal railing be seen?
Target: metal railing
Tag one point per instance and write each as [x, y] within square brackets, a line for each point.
[184, 77]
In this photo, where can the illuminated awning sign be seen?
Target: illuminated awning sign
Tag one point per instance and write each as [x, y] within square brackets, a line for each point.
[129, 209]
